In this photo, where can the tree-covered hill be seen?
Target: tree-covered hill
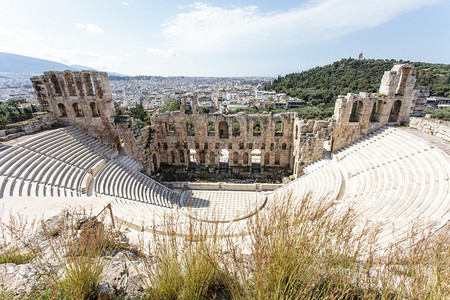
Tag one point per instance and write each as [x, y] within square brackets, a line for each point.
[324, 84]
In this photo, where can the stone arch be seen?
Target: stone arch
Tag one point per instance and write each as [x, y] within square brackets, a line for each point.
[257, 128]
[235, 158]
[55, 82]
[355, 115]
[277, 158]
[223, 129]
[224, 158]
[190, 128]
[77, 109]
[245, 159]
[211, 128]
[256, 159]
[62, 110]
[94, 109]
[192, 159]
[266, 158]
[70, 83]
[279, 128]
[236, 128]
[88, 84]
[395, 111]
[182, 159]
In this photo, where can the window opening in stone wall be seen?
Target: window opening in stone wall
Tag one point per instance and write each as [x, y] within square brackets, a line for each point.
[62, 110]
[279, 128]
[395, 111]
[277, 158]
[190, 128]
[202, 157]
[224, 153]
[256, 159]
[223, 129]
[272, 146]
[257, 128]
[77, 110]
[182, 159]
[217, 146]
[245, 159]
[197, 146]
[356, 111]
[165, 146]
[70, 82]
[283, 146]
[373, 114]
[250, 146]
[211, 128]
[206, 146]
[236, 128]
[56, 85]
[230, 146]
[241, 146]
[170, 127]
[185, 145]
[235, 158]
[94, 109]
[263, 146]
[172, 157]
[266, 158]
[192, 159]
[87, 80]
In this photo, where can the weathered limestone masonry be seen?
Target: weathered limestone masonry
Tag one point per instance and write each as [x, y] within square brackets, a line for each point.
[39, 122]
[356, 115]
[257, 146]
[435, 127]
[187, 144]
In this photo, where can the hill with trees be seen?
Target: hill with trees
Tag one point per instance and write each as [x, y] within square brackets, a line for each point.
[324, 84]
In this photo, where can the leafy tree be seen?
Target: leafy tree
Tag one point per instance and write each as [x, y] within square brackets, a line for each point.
[170, 105]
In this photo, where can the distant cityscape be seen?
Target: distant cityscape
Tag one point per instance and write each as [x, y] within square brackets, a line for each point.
[215, 94]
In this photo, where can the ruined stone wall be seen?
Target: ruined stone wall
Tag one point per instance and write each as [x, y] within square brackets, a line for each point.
[189, 142]
[39, 122]
[435, 127]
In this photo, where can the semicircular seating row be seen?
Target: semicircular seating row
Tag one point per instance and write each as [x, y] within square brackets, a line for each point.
[390, 177]
[57, 163]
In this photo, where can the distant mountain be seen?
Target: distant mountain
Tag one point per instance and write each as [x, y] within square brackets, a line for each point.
[13, 63]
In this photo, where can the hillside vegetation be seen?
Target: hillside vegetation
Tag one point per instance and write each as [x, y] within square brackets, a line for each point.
[324, 84]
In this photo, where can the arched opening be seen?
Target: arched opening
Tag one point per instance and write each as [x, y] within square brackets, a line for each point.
[182, 159]
[192, 159]
[211, 128]
[355, 115]
[245, 159]
[266, 158]
[236, 128]
[155, 163]
[70, 82]
[87, 80]
[235, 158]
[224, 154]
[279, 128]
[256, 128]
[62, 110]
[373, 114]
[202, 157]
[277, 158]
[283, 146]
[77, 110]
[56, 85]
[172, 157]
[395, 111]
[190, 128]
[223, 129]
[212, 158]
[296, 131]
[256, 159]
[94, 109]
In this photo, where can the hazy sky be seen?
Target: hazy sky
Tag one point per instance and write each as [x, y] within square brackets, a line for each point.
[223, 38]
